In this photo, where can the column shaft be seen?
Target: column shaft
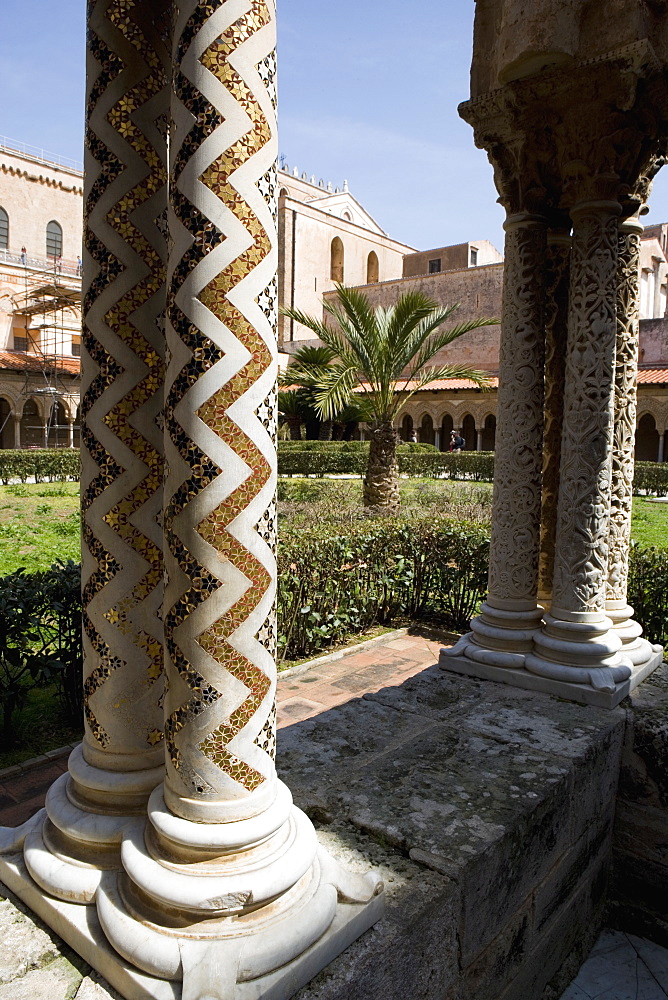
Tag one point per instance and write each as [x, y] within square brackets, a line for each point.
[556, 327]
[220, 422]
[225, 863]
[502, 634]
[621, 505]
[577, 642]
[124, 297]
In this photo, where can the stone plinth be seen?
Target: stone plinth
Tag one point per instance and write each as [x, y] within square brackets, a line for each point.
[488, 814]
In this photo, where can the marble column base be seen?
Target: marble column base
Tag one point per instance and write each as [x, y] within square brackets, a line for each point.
[501, 637]
[265, 953]
[457, 660]
[86, 812]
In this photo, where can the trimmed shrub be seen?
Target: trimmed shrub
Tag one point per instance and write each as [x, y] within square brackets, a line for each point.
[651, 477]
[334, 583]
[45, 464]
[414, 460]
[648, 590]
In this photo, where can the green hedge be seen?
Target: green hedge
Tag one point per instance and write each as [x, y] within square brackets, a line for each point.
[40, 640]
[330, 447]
[331, 585]
[651, 477]
[414, 460]
[44, 464]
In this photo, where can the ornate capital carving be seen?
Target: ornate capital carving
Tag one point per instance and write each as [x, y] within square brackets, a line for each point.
[589, 132]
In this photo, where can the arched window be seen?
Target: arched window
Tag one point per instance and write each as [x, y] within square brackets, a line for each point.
[32, 428]
[6, 424]
[57, 426]
[336, 261]
[4, 229]
[406, 427]
[468, 432]
[489, 433]
[54, 239]
[427, 430]
[647, 439]
[446, 429]
[371, 269]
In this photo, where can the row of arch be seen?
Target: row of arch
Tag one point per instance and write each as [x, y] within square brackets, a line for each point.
[38, 422]
[651, 440]
[54, 235]
[480, 437]
[337, 263]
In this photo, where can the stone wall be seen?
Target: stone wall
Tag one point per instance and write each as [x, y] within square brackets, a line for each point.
[488, 812]
[640, 885]
[478, 292]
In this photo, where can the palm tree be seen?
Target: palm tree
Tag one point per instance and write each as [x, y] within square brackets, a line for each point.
[306, 370]
[383, 355]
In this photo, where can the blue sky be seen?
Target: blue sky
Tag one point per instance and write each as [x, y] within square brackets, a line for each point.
[367, 92]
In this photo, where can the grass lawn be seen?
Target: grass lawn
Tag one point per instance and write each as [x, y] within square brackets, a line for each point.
[650, 522]
[39, 523]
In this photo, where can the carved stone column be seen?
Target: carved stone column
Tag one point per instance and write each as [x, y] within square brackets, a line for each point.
[121, 759]
[637, 649]
[225, 882]
[556, 327]
[503, 633]
[577, 644]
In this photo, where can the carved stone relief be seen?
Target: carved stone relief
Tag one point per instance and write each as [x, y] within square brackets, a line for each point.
[584, 491]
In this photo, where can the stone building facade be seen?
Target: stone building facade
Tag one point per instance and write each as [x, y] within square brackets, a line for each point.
[477, 287]
[40, 299]
[325, 236]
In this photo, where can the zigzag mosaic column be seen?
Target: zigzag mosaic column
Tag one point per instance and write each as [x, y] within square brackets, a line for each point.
[227, 866]
[637, 649]
[121, 760]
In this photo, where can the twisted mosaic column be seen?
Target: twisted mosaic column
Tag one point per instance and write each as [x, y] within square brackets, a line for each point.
[502, 633]
[577, 643]
[556, 327]
[224, 843]
[120, 762]
[637, 649]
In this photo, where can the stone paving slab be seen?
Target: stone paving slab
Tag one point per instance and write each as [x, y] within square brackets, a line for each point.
[480, 806]
[622, 967]
[34, 963]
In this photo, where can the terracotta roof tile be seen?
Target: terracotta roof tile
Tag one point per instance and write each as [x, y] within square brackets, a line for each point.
[652, 376]
[20, 362]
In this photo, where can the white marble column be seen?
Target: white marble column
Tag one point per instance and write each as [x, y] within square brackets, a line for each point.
[437, 439]
[660, 453]
[637, 649]
[121, 758]
[17, 430]
[502, 634]
[578, 644]
[226, 880]
[478, 441]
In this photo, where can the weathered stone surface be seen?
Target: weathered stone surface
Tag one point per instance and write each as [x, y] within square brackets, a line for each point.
[25, 944]
[415, 943]
[641, 823]
[95, 988]
[59, 980]
[507, 793]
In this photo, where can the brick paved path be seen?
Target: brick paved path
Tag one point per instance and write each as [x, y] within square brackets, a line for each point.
[302, 693]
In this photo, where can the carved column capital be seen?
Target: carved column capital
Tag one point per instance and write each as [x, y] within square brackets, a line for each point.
[551, 150]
